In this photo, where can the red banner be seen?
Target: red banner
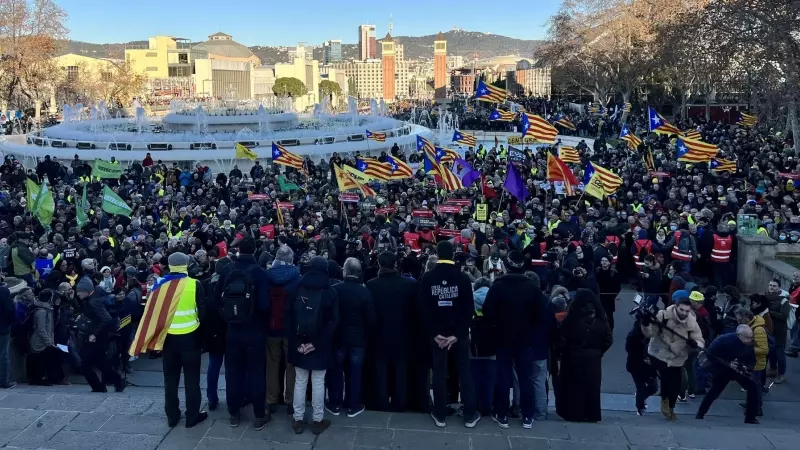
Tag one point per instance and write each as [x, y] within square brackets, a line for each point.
[268, 231]
[286, 205]
[459, 202]
[448, 233]
[258, 197]
[791, 176]
[349, 197]
[448, 209]
[422, 213]
[386, 211]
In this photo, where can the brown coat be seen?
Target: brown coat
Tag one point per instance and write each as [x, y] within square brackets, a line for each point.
[665, 345]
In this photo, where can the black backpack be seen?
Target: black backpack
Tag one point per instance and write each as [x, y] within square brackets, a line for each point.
[308, 314]
[237, 297]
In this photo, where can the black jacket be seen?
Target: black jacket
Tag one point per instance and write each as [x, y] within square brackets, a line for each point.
[394, 297]
[514, 307]
[94, 308]
[323, 349]
[445, 296]
[356, 314]
[6, 311]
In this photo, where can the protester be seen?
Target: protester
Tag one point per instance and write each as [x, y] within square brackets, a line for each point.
[312, 317]
[673, 333]
[356, 320]
[583, 338]
[6, 320]
[446, 305]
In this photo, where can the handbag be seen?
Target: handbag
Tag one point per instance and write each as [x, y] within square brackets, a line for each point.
[84, 325]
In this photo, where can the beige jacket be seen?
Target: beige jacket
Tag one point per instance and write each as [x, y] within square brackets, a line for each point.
[665, 345]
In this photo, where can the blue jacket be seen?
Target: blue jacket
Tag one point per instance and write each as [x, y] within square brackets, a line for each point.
[728, 347]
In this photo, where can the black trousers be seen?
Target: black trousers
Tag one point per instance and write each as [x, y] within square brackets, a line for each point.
[646, 385]
[460, 352]
[93, 355]
[45, 366]
[386, 371]
[720, 377]
[182, 354]
[670, 378]
[246, 374]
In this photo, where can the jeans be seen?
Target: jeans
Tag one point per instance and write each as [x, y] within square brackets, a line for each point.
[794, 337]
[215, 361]
[777, 359]
[459, 351]
[522, 360]
[484, 377]
[245, 374]
[317, 393]
[645, 387]
[5, 361]
[540, 389]
[351, 359]
[720, 379]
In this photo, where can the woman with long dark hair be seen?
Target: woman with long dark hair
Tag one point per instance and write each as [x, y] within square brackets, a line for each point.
[583, 339]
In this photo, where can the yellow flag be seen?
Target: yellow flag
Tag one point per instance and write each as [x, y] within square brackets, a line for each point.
[243, 152]
[595, 187]
[360, 176]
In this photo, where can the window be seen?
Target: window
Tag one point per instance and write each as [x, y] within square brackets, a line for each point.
[183, 58]
[152, 69]
[72, 73]
[152, 54]
[105, 76]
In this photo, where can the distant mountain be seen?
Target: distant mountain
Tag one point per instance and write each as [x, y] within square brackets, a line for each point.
[463, 43]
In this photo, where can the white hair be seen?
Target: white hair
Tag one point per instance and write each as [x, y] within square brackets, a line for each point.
[352, 267]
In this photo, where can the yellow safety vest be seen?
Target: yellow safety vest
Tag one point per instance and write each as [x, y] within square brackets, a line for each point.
[111, 241]
[552, 226]
[185, 319]
[762, 232]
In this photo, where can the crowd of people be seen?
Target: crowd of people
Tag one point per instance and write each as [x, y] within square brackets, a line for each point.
[494, 303]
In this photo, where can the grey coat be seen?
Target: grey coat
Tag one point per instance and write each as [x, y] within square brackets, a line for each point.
[43, 333]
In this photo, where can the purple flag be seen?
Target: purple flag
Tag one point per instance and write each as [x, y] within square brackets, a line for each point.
[514, 184]
[465, 172]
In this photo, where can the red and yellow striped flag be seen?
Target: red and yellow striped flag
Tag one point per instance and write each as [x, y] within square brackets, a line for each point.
[158, 312]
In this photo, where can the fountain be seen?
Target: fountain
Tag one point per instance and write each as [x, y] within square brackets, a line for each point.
[352, 109]
[373, 107]
[382, 108]
[446, 126]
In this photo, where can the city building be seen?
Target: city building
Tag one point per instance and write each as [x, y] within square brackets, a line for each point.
[440, 66]
[367, 43]
[401, 72]
[331, 51]
[529, 79]
[420, 88]
[264, 81]
[462, 81]
[221, 46]
[364, 77]
[305, 70]
[338, 76]
[168, 63]
[454, 62]
[388, 58]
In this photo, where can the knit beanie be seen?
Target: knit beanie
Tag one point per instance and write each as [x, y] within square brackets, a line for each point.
[177, 259]
[84, 285]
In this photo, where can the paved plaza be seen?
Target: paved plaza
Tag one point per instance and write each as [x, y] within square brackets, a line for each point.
[69, 417]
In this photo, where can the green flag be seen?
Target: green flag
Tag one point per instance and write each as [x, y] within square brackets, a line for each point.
[112, 204]
[31, 194]
[44, 206]
[285, 186]
[80, 210]
[102, 169]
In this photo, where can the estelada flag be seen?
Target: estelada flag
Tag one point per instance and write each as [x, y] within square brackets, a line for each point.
[158, 313]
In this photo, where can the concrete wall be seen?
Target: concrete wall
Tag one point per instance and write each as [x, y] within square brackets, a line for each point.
[757, 263]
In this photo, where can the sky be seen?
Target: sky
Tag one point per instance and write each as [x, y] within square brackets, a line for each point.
[270, 22]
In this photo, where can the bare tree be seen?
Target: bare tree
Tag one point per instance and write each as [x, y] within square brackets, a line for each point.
[30, 31]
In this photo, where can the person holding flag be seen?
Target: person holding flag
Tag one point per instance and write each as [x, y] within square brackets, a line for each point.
[170, 323]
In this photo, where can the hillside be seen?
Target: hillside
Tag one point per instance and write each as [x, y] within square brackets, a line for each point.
[463, 43]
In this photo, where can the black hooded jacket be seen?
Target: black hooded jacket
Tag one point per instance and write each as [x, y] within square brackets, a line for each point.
[514, 306]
